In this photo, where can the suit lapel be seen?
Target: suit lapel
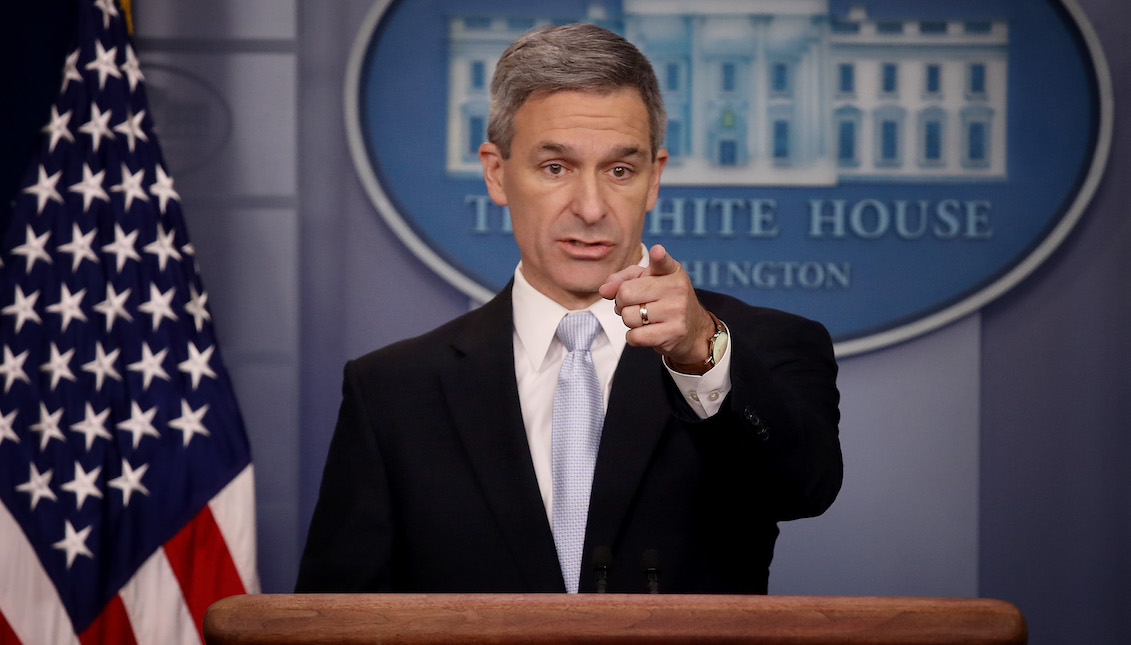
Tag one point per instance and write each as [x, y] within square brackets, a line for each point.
[637, 414]
[489, 423]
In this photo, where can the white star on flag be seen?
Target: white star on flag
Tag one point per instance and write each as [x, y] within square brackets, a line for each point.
[122, 247]
[90, 187]
[102, 365]
[196, 365]
[13, 368]
[131, 186]
[38, 485]
[114, 306]
[33, 248]
[23, 308]
[140, 424]
[6, 431]
[197, 307]
[163, 247]
[108, 9]
[104, 63]
[163, 189]
[160, 305]
[44, 189]
[98, 126]
[71, 70]
[48, 425]
[150, 365]
[74, 543]
[69, 306]
[58, 128]
[59, 365]
[132, 68]
[130, 481]
[190, 422]
[131, 127]
[79, 247]
[84, 484]
[93, 426]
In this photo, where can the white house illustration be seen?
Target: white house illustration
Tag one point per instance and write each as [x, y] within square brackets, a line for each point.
[780, 92]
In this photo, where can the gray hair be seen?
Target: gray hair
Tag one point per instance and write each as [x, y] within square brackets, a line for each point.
[578, 57]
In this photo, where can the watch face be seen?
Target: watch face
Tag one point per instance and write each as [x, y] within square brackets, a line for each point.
[719, 346]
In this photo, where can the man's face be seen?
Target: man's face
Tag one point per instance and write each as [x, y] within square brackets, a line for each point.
[578, 182]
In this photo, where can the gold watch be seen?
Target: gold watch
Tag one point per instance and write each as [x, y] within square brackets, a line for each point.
[717, 343]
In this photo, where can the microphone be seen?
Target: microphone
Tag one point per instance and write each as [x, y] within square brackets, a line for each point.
[602, 562]
[650, 563]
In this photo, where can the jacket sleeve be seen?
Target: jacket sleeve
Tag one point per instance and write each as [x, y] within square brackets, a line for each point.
[782, 414]
[350, 542]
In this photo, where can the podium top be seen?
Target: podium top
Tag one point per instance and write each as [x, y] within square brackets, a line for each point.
[442, 619]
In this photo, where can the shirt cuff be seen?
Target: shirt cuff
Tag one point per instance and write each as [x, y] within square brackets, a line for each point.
[705, 393]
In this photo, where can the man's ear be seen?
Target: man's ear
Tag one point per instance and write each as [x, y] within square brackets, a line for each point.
[658, 166]
[492, 161]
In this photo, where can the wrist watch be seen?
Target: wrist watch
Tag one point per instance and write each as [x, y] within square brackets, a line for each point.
[717, 343]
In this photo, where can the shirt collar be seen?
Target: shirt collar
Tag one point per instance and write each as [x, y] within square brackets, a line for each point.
[536, 318]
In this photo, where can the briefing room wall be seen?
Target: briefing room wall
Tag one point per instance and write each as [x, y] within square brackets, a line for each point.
[1056, 384]
[303, 275]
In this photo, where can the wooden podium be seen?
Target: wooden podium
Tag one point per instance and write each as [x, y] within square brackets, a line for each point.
[510, 619]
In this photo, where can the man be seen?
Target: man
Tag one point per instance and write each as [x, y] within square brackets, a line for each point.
[489, 456]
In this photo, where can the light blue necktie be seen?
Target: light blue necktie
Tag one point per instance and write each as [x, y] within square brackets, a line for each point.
[578, 417]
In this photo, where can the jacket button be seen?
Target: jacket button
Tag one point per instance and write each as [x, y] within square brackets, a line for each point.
[760, 428]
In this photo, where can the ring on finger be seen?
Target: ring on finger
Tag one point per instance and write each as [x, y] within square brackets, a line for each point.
[644, 315]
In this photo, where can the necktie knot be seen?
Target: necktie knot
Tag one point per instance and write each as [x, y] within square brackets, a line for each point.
[577, 331]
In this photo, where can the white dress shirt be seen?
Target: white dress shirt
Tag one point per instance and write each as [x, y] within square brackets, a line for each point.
[538, 356]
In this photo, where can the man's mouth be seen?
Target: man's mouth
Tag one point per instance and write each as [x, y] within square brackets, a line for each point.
[586, 250]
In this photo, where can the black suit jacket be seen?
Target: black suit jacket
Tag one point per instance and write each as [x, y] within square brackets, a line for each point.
[429, 484]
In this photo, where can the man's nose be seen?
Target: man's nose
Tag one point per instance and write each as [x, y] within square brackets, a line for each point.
[589, 202]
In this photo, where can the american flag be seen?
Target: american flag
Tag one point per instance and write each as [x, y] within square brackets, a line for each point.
[125, 474]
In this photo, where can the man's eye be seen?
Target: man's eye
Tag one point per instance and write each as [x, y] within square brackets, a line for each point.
[620, 172]
[554, 168]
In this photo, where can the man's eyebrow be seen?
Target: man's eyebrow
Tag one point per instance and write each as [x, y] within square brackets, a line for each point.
[556, 148]
[625, 152]
[621, 152]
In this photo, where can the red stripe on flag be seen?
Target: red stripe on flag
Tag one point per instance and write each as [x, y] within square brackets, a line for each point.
[111, 626]
[203, 565]
[7, 636]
